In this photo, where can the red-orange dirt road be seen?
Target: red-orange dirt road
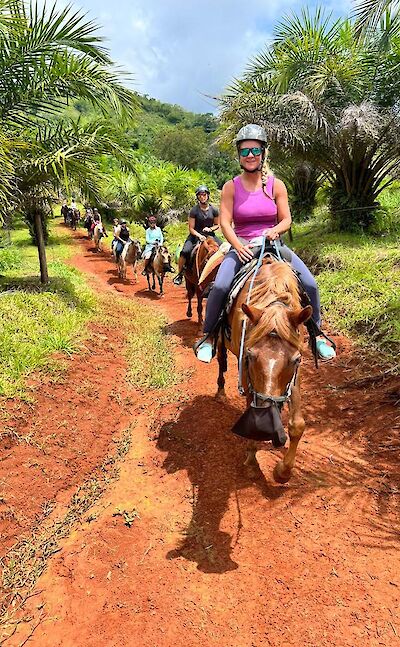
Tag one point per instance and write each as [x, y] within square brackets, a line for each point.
[208, 554]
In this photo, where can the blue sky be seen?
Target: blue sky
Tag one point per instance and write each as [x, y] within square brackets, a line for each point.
[180, 50]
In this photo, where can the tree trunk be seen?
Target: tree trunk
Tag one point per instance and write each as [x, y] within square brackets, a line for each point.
[44, 276]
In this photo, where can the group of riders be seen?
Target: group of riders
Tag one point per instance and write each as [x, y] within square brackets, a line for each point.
[254, 211]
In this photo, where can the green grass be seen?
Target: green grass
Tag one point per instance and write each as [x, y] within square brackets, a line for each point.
[359, 280]
[148, 349]
[36, 320]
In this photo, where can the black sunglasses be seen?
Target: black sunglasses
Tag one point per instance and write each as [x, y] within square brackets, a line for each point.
[245, 152]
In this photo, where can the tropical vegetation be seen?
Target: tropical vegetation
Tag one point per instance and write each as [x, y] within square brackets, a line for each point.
[328, 98]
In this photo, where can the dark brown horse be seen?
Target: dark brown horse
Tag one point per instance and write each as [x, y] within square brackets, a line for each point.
[202, 254]
[270, 373]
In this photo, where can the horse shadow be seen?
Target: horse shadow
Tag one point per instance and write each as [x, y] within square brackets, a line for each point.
[185, 329]
[205, 448]
[150, 295]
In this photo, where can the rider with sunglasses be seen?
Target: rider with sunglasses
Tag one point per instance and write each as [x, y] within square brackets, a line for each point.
[256, 203]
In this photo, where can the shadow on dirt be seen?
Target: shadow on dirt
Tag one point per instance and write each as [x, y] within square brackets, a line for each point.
[201, 443]
[185, 329]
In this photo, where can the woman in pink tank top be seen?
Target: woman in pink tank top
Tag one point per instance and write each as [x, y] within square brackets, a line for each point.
[253, 206]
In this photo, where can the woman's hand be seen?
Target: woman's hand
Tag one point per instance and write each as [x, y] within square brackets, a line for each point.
[207, 230]
[244, 252]
[201, 238]
[271, 234]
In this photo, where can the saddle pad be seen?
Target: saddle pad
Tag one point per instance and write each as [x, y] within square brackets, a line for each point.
[213, 262]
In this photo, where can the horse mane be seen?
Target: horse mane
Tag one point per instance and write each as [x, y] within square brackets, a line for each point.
[275, 282]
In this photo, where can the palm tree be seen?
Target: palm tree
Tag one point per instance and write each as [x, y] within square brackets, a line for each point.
[47, 58]
[322, 93]
[369, 13]
[153, 187]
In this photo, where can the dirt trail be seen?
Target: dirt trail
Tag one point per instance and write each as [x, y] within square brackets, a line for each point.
[217, 556]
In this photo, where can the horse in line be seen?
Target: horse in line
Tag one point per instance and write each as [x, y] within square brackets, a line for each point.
[98, 235]
[200, 255]
[270, 373]
[129, 256]
[158, 266]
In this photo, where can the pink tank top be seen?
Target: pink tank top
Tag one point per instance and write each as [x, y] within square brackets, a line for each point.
[253, 212]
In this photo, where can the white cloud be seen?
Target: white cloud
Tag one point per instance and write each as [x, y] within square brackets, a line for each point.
[179, 50]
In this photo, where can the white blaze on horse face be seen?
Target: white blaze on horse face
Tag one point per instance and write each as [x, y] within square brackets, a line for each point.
[271, 365]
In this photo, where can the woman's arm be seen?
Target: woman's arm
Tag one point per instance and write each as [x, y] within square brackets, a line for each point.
[226, 218]
[284, 217]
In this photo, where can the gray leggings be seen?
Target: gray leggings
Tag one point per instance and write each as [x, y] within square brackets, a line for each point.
[224, 279]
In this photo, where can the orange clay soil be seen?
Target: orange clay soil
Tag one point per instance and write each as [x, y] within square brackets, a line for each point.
[207, 553]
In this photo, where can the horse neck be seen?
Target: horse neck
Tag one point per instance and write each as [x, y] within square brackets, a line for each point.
[203, 255]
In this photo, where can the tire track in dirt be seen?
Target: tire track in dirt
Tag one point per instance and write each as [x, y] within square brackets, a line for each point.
[217, 556]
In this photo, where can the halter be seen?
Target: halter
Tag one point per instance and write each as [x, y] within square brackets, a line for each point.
[278, 400]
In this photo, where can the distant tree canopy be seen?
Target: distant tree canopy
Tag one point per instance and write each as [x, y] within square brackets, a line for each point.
[184, 147]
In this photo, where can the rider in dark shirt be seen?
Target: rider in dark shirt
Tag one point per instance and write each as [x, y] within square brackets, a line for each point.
[122, 239]
[203, 222]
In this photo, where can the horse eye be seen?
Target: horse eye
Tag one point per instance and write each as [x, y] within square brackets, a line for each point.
[296, 359]
[273, 333]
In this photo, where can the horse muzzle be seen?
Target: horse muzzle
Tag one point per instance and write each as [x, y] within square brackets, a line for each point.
[261, 423]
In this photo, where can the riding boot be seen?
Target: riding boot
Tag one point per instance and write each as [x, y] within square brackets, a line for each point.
[179, 277]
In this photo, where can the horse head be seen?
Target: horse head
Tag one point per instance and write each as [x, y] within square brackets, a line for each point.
[163, 259]
[274, 347]
[138, 248]
[269, 354]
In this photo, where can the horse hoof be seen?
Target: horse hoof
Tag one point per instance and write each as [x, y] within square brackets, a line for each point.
[221, 395]
[189, 315]
[280, 474]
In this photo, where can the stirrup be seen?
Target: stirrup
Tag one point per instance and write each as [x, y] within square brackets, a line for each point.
[204, 349]
[325, 352]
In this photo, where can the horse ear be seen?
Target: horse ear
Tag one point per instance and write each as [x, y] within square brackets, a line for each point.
[301, 316]
[254, 314]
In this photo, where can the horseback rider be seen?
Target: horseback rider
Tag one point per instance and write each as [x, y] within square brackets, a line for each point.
[122, 238]
[256, 203]
[154, 236]
[64, 211]
[203, 222]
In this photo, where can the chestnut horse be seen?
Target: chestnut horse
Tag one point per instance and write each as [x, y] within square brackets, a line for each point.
[272, 349]
[192, 274]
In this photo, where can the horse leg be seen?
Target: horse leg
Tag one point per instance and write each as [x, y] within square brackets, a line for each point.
[222, 357]
[153, 287]
[161, 284]
[190, 295]
[200, 311]
[148, 280]
[135, 271]
[283, 469]
[251, 450]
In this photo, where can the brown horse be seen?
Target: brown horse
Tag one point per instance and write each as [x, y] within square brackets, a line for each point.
[129, 256]
[272, 353]
[192, 274]
[158, 266]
